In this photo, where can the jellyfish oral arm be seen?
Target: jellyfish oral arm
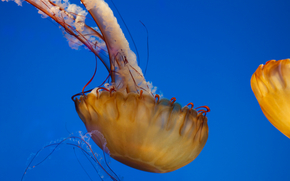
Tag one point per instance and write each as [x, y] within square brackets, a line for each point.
[125, 73]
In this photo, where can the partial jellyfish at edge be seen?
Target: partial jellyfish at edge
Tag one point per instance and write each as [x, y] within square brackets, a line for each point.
[271, 86]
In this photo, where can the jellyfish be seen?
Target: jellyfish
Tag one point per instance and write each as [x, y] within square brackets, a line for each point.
[271, 86]
[141, 130]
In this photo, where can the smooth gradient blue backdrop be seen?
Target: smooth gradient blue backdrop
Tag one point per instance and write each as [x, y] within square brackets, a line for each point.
[200, 51]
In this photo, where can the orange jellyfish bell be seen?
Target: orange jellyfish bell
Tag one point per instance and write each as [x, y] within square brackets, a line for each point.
[271, 86]
[142, 133]
[140, 130]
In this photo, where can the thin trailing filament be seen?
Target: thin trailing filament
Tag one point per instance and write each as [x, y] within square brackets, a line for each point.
[81, 144]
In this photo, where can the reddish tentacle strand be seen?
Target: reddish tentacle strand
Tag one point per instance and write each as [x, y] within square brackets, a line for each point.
[111, 90]
[204, 112]
[91, 77]
[173, 99]
[105, 79]
[141, 93]
[190, 104]
[103, 88]
[158, 98]
[81, 93]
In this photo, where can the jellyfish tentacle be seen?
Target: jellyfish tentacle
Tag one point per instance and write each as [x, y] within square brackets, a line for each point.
[172, 100]
[190, 104]
[103, 88]
[158, 98]
[81, 93]
[105, 79]
[147, 89]
[116, 55]
[93, 155]
[141, 93]
[91, 30]
[96, 67]
[66, 20]
[112, 90]
[204, 112]
[142, 76]
[147, 47]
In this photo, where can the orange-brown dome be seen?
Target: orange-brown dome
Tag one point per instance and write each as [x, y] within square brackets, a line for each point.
[142, 133]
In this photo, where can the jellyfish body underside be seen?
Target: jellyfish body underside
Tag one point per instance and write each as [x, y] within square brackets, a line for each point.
[155, 137]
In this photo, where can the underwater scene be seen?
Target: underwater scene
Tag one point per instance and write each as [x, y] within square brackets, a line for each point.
[144, 90]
